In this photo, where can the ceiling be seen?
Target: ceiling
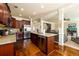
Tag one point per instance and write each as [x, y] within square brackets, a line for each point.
[46, 10]
[32, 9]
[71, 11]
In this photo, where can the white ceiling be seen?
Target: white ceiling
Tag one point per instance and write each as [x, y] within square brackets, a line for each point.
[70, 10]
[30, 8]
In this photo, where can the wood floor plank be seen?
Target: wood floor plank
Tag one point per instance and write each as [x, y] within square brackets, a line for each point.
[31, 50]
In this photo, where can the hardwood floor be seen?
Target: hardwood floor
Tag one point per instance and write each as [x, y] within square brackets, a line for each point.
[29, 49]
[68, 51]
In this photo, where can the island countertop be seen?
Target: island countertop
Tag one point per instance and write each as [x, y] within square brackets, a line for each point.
[7, 39]
[46, 34]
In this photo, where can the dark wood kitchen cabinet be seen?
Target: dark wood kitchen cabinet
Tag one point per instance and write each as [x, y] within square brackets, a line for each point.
[4, 13]
[19, 24]
[44, 43]
[26, 22]
[13, 22]
[1, 12]
[7, 49]
[34, 39]
[50, 44]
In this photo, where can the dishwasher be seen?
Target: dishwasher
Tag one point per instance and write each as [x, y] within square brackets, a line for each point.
[43, 44]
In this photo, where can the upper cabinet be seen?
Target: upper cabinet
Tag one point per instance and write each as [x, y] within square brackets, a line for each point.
[25, 22]
[4, 13]
[1, 12]
[7, 19]
[19, 24]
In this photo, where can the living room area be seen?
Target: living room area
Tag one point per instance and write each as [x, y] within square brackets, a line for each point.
[71, 26]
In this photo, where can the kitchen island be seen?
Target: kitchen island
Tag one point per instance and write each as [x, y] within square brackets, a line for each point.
[44, 42]
[7, 45]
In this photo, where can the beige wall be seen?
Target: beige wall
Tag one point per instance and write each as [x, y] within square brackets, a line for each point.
[56, 25]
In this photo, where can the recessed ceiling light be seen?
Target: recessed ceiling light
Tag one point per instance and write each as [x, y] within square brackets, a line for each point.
[20, 14]
[22, 9]
[42, 6]
[34, 13]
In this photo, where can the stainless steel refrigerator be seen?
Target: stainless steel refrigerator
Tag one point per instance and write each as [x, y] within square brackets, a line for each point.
[26, 31]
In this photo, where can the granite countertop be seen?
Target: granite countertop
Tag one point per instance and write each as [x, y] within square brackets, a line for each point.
[50, 34]
[46, 34]
[7, 39]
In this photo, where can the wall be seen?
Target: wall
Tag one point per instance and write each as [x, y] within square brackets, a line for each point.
[52, 25]
[36, 25]
[57, 24]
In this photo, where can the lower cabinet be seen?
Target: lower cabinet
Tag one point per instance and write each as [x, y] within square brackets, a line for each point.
[50, 44]
[42, 43]
[7, 50]
[34, 39]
